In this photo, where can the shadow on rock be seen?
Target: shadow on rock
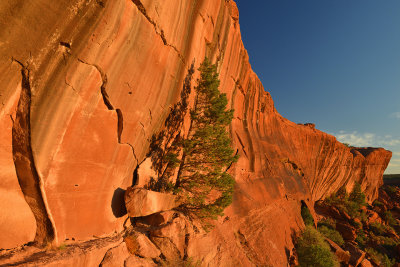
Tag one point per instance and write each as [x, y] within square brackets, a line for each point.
[118, 203]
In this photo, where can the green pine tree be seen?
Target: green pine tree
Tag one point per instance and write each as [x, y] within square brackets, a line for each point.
[207, 150]
[357, 195]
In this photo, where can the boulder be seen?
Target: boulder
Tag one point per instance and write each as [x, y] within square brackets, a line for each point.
[347, 231]
[160, 218]
[356, 255]
[327, 211]
[357, 221]
[342, 256]
[169, 249]
[373, 217]
[345, 215]
[331, 211]
[115, 256]
[138, 244]
[366, 263]
[142, 202]
[172, 237]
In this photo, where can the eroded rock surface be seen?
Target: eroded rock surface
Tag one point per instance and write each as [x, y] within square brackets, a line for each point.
[102, 78]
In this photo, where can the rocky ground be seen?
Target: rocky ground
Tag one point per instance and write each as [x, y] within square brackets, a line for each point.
[358, 234]
[161, 239]
[361, 234]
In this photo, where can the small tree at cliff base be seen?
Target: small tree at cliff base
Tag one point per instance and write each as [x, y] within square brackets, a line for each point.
[207, 151]
[312, 250]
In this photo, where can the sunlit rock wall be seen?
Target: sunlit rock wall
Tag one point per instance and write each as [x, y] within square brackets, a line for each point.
[85, 85]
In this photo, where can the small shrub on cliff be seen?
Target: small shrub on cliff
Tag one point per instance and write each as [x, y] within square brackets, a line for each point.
[390, 189]
[388, 216]
[327, 227]
[357, 196]
[306, 215]
[361, 238]
[337, 198]
[380, 258]
[312, 250]
[331, 233]
[328, 222]
[62, 246]
[378, 228]
[377, 203]
[349, 203]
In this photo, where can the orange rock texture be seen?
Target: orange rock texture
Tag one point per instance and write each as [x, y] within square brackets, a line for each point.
[85, 85]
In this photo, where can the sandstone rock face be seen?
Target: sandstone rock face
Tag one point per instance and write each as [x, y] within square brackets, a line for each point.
[139, 262]
[95, 80]
[141, 202]
[145, 173]
[17, 223]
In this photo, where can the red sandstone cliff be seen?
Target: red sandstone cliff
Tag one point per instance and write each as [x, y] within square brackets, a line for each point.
[84, 86]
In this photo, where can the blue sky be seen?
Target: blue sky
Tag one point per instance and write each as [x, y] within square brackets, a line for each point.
[332, 63]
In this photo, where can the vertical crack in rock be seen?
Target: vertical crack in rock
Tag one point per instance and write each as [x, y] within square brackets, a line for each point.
[241, 143]
[246, 129]
[133, 153]
[65, 81]
[120, 124]
[27, 174]
[159, 32]
[107, 254]
[247, 250]
[103, 87]
[185, 249]
[107, 102]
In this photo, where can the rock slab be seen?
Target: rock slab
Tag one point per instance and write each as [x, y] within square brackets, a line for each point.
[142, 202]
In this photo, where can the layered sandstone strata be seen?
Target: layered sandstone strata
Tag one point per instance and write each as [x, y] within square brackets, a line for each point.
[85, 85]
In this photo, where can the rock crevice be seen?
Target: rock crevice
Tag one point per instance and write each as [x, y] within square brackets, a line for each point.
[27, 174]
[110, 106]
[158, 30]
[103, 87]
